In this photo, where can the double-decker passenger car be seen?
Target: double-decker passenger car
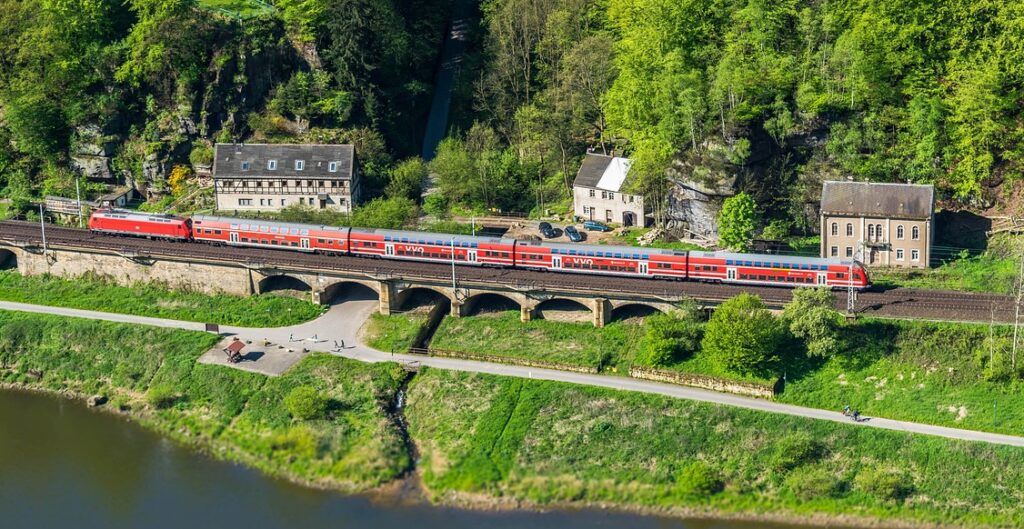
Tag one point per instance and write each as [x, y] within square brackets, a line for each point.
[776, 270]
[270, 234]
[439, 247]
[150, 225]
[600, 259]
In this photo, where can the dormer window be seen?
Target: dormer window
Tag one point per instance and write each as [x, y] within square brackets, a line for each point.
[300, 165]
[272, 165]
[332, 167]
[245, 166]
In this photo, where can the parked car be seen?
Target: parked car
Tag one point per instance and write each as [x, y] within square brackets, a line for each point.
[549, 232]
[573, 234]
[593, 225]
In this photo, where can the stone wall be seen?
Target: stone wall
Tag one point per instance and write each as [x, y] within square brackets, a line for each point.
[703, 381]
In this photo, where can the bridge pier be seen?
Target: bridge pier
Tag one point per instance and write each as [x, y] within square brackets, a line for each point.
[525, 313]
[459, 309]
[602, 311]
[387, 297]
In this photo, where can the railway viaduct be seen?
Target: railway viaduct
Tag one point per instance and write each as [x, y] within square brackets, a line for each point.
[213, 276]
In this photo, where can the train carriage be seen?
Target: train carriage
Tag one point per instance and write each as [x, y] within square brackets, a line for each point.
[271, 234]
[597, 259]
[155, 226]
[775, 270]
[438, 247]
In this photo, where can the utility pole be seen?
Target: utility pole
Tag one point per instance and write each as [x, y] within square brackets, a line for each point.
[1016, 315]
[42, 227]
[454, 287]
[851, 292]
[79, 195]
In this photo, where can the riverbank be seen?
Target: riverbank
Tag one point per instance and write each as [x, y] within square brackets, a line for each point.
[492, 442]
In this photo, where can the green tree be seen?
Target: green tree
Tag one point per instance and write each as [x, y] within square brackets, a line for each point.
[737, 222]
[812, 317]
[306, 403]
[406, 180]
[743, 336]
[392, 213]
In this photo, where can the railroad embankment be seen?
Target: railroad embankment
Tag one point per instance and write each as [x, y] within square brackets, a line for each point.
[497, 442]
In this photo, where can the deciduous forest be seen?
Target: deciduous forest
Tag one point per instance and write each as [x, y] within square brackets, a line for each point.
[777, 94]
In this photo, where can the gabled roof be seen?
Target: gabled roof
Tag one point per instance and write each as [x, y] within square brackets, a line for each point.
[871, 199]
[603, 172]
[249, 160]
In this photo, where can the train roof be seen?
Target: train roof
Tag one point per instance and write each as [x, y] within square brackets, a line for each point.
[425, 237]
[269, 223]
[602, 248]
[775, 258]
[139, 215]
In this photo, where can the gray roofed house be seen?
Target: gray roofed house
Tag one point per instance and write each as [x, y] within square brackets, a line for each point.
[269, 177]
[598, 191]
[880, 224]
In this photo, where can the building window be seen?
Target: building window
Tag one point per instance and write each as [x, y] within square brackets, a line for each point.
[871, 231]
[245, 202]
[611, 196]
[899, 254]
[302, 200]
[835, 251]
[604, 195]
[608, 215]
[321, 183]
[878, 231]
[631, 199]
[899, 232]
[586, 210]
[271, 165]
[915, 255]
[849, 229]
[245, 166]
[259, 184]
[591, 193]
[300, 165]
[849, 251]
[282, 201]
[835, 228]
[332, 167]
[915, 233]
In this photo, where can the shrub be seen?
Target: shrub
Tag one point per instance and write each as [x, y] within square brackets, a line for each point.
[201, 155]
[887, 484]
[698, 479]
[742, 336]
[813, 483]
[794, 450]
[161, 396]
[668, 339]
[812, 317]
[306, 403]
[437, 205]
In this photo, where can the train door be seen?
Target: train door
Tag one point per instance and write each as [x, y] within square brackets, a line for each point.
[556, 262]
[472, 256]
[822, 279]
[730, 274]
[233, 236]
[643, 269]
[389, 249]
[304, 243]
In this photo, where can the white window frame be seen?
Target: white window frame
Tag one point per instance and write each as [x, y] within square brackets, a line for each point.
[835, 251]
[592, 193]
[915, 233]
[332, 167]
[849, 251]
[300, 165]
[835, 229]
[899, 254]
[899, 232]
[871, 231]
[245, 166]
[915, 255]
[271, 165]
[245, 202]
[849, 229]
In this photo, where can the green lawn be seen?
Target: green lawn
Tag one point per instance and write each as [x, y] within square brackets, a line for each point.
[918, 371]
[93, 293]
[983, 273]
[549, 442]
[580, 344]
[230, 413]
[394, 333]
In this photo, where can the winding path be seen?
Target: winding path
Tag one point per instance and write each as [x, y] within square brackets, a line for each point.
[343, 321]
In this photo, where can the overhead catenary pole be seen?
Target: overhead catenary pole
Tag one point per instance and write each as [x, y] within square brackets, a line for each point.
[42, 227]
[78, 194]
[851, 292]
[453, 265]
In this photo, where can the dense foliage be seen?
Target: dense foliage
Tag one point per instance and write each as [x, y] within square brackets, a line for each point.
[743, 336]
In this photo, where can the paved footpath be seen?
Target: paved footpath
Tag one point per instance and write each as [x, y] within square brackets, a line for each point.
[342, 323]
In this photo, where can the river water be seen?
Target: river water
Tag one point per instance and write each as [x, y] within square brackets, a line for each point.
[65, 466]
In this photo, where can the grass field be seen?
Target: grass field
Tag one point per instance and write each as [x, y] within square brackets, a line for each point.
[918, 371]
[233, 414]
[93, 293]
[983, 273]
[611, 347]
[550, 442]
[394, 333]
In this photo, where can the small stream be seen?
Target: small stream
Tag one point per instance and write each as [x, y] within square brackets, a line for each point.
[65, 466]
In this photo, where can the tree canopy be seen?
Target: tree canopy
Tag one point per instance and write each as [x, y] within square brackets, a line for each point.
[742, 336]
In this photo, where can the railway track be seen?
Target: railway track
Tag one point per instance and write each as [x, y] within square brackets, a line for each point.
[897, 302]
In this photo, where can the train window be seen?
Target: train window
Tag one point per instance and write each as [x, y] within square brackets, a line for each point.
[274, 242]
[294, 243]
[245, 239]
[750, 263]
[216, 232]
[840, 275]
[761, 278]
[757, 263]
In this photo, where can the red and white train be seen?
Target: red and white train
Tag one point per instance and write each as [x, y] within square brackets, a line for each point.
[723, 267]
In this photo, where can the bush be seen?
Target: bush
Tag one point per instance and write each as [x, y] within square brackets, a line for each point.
[306, 403]
[437, 205]
[742, 336]
[161, 396]
[668, 339]
[201, 155]
[813, 483]
[698, 479]
[812, 317]
[886, 484]
[794, 450]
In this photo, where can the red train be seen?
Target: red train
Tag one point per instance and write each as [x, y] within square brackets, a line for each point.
[723, 267]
